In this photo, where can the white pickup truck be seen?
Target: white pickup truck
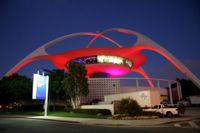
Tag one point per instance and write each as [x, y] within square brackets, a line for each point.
[164, 109]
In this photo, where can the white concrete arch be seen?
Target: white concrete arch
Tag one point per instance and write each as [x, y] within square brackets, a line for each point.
[142, 43]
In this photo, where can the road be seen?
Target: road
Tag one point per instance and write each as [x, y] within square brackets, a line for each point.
[23, 125]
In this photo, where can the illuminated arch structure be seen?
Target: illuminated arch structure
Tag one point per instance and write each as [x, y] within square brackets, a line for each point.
[112, 61]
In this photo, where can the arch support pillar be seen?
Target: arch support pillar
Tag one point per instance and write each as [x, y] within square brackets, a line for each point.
[144, 74]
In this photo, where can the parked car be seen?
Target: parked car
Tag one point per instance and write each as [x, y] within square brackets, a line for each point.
[185, 103]
[165, 110]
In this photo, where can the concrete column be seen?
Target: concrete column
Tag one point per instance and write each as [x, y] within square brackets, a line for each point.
[170, 93]
[178, 91]
[137, 82]
[158, 83]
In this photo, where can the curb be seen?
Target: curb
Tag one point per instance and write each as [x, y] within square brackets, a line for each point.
[63, 121]
[31, 117]
[172, 122]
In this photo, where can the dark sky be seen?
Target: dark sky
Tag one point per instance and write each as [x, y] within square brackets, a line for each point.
[27, 24]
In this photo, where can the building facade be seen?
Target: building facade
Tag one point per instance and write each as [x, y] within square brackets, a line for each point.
[107, 90]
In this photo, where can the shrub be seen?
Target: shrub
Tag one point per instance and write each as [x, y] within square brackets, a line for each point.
[37, 107]
[129, 106]
[90, 111]
[151, 113]
[143, 115]
[127, 117]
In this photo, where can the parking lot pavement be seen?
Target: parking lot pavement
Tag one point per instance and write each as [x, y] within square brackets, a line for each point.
[188, 124]
[192, 112]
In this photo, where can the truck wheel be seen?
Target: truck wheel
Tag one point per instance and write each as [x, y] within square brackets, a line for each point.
[169, 114]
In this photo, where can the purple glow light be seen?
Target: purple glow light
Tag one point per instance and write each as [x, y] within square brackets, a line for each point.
[116, 72]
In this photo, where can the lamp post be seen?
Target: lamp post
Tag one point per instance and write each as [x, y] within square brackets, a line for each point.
[46, 98]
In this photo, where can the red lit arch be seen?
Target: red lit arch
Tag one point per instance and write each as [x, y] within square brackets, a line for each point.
[133, 53]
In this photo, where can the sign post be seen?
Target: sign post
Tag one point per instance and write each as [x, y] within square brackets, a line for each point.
[46, 99]
[40, 89]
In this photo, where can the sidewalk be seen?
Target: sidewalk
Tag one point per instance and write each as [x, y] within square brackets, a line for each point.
[118, 123]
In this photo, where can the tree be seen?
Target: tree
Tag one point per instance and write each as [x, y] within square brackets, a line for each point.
[76, 83]
[188, 88]
[15, 88]
[55, 85]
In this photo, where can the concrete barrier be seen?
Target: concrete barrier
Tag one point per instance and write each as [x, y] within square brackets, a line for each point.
[104, 106]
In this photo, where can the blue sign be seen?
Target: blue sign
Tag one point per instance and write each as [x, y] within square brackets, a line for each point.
[40, 86]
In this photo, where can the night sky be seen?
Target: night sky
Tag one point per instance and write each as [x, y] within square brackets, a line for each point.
[174, 24]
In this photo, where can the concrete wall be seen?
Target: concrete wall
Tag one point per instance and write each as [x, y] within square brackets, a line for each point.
[154, 97]
[105, 106]
[144, 98]
[127, 89]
